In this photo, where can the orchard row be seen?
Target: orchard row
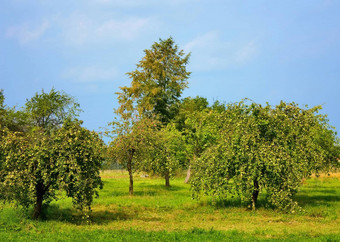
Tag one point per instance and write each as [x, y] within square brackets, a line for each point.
[237, 149]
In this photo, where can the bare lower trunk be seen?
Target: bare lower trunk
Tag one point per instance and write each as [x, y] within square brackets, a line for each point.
[131, 178]
[194, 158]
[255, 194]
[131, 183]
[187, 178]
[40, 191]
[167, 178]
[129, 167]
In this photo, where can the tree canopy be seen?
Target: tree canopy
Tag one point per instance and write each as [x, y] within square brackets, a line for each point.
[50, 110]
[150, 103]
[54, 153]
[132, 143]
[10, 118]
[158, 81]
[265, 148]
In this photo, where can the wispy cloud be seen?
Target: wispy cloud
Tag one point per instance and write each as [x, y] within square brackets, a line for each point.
[210, 52]
[26, 33]
[80, 29]
[247, 52]
[138, 3]
[209, 39]
[124, 29]
[89, 74]
[124, 3]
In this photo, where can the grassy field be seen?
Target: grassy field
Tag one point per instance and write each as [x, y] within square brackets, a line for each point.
[157, 213]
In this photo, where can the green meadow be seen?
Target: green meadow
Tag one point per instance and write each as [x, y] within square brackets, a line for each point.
[157, 213]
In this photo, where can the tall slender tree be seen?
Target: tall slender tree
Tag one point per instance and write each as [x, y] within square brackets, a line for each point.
[158, 81]
[130, 146]
[154, 93]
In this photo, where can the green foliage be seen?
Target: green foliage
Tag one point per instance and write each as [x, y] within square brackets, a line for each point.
[265, 148]
[143, 144]
[81, 153]
[2, 100]
[50, 110]
[167, 152]
[36, 166]
[46, 157]
[132, 141]
[189, 107]
[146, 107]
[158, 82]
[199, 124]
[131, 144]
[11, 118]
[201, 131]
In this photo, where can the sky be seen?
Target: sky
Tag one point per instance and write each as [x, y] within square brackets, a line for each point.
[264, 50]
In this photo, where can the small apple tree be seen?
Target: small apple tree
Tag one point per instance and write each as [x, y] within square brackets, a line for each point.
[55, 153]
[266, 148]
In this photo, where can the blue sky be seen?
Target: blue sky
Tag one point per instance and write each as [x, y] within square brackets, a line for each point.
[263, 50]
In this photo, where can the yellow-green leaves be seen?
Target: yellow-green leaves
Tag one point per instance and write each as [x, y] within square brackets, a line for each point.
[50, 110]
[265, 148]
[157, 83]
[37, 164]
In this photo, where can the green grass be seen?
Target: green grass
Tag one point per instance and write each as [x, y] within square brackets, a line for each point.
[157, 213]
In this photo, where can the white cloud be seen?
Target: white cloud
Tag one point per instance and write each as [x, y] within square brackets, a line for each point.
[208, 40]
[80, 29]
[123, 3]
[76, 29]
[89, 74]
[247, 52]
[210, 52]
[124, 29]
[25, 33]
[138, 3]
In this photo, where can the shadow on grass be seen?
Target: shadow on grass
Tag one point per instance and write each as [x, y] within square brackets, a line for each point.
[142, 190]
[154, 190]
[302, 199]
[104, 217]
[313, 195]
[316, 200]
[308, 197]
[238, 203]
[160, 187]
[71, 215]
[317, 191]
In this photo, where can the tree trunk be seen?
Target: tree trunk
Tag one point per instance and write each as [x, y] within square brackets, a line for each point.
[131, 177]
[167, 179]
[187, 179]
[188, 175]
[129, 167]
[40, 191]
[255, 194]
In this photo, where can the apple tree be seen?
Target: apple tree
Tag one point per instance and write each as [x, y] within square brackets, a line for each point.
[266, 148]
[54, 154]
